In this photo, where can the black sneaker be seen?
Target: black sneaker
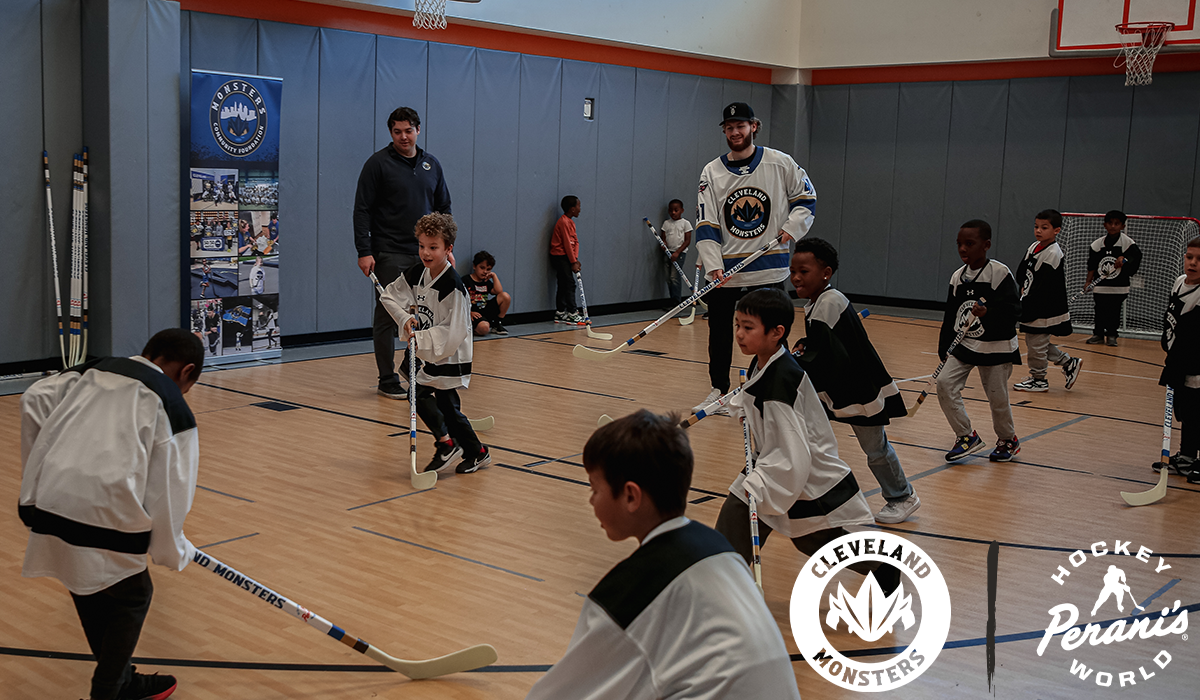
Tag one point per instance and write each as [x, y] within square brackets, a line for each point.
[482, 459]
[445, 455]
[1095, 340]
[151, 687]
[498, 327]
[393, 391]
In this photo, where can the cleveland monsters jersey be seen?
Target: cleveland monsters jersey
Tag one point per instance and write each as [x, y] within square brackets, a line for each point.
[743, 205]
[1043, 281]
[1102, 258]
[1181, 336]
[990, 339]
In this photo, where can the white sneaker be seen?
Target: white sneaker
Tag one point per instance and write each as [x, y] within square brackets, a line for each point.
[712, 396]
[898, 511]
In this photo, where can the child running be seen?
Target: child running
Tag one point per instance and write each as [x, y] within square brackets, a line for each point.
[803, 490]
[989, 342]
[441, 328]
[848, 375]
[1044, 309]
[681, 616]
[1181, 372]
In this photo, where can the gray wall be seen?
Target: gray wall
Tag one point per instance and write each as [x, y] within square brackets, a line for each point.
[898, 167]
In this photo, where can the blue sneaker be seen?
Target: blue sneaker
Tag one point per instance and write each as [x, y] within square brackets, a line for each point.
[964, 446]
[1005, 450]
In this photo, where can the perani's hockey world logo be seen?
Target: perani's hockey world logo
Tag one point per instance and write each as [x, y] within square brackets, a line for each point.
[1111, 581]
[237, 117]
[921, 601]
[747, 212]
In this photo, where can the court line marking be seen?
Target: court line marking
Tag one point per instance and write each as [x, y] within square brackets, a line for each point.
[229, 495]
[1053, 410]
[450, 554]
[1013, 545]
[655, 357]
[403, 495]
[232, 539]
[551, 386]
[584, 483]
[1051, 429]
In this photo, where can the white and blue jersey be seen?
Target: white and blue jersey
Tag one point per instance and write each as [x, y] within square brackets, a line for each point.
[744, 204]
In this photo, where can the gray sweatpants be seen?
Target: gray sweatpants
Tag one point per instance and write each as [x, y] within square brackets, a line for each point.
[1041, 352]
[994, 378]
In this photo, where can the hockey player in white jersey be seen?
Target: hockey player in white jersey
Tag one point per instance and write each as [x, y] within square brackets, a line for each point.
[747, 198]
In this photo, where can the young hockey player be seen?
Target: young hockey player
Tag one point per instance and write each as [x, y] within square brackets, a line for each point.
[848, 375]
[1043, 279]
[677, 235]
[1181, 371]
[442, 331]
[680, 617]
[1114, 251]
[989, 342]
[489, 301]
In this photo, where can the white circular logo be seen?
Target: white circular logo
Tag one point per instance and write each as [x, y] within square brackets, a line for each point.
[870, 613]
[968, 320]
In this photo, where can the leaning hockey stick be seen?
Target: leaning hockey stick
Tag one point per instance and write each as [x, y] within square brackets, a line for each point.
[756, 559]
[62, 350]
[663, 244]
[84, 333]
[420, 480]
[76, 303]
[468, 659]
[912, 411]
[696, 284]
[592, 354]
[1145, 498]
[588, 319]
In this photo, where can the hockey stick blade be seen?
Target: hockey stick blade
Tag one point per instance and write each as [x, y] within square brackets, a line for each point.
[586, 353]
[483, 424]
[1145, 498]
[604, 420]
[598, 336]
[912, 410]
[689, 319]
[468, 659]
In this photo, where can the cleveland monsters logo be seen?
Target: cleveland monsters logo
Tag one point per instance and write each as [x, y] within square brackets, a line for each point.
[237, 118]
[747, 212]
[965, 319]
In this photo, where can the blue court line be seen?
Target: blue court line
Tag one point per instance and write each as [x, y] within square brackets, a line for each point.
[230, 495]
[1060, 426]
[234, 539]
[403, 495]
[557, 459]
[473, 561]
[1052, 410]
[1014, 545]
[922, 475]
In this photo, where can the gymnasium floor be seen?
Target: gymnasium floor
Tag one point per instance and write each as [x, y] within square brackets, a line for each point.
[304, 486]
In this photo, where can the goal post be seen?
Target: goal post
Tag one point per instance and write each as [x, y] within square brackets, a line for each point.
[1162, 240]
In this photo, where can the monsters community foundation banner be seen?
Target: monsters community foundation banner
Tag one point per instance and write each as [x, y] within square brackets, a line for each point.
[233, 215]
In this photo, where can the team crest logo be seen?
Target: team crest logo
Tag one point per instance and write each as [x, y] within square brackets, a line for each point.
[237, 117]
[1107, 267]
[966, 319]
[1027, 283]
[1121, 583]
[920, 602]
[703, 185]
[747, 212]
[426, 165]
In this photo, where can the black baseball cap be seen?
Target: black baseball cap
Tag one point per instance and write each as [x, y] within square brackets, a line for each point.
[737, 111]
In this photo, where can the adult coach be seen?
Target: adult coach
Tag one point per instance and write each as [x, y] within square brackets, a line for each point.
[747, 197]
[398, 185]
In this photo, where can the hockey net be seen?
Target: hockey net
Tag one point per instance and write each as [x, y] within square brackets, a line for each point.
[1162, 240]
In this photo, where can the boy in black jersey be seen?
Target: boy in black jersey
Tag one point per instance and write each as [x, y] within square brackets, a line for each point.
[989, 343]
[1113, 252]
[489, 301]
[1181, 371]
[1043, 280]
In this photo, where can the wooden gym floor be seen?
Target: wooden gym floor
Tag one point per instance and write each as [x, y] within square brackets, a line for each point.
[304, 486]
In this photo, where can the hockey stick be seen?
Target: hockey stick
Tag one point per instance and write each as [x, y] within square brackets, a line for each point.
[912, 411]
[756, 559]
[587, 319]
[679, 270]
[1145, 498]
[482, 424]
[76, 303]
[604, 420]
[695, 284]
[62, 350]
[1112, 274]
[467, 659]
[592, 354]
[84, 333]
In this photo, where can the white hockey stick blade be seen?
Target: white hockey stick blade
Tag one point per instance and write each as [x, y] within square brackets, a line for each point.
[604, 420]
[689, 319]
[468, 659]
[598, 336]
[586, 353]
[1145, 498]
[422, 481]
[483, 424]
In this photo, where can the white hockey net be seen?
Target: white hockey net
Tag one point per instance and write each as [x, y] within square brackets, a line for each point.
[1162, 240]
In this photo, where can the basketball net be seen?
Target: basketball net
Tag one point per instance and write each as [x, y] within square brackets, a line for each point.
[430, 14]
[1140, 42]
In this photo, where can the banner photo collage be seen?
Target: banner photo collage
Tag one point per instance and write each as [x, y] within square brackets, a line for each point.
[233, 215]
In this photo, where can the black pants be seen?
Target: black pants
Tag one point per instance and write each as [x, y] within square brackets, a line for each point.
[721, 304]
[388, 267]
[1108, 313]
[112, 621]
[441, 412]
[1187, 412]
[564, 299]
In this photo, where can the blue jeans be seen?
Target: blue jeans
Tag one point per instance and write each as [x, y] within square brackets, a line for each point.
[674, 284]
[884, 463]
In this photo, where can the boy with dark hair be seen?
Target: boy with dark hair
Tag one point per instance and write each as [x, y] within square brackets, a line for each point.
[989, 342]
[1044, 312]
[110, 453]
[489, 301]
[802, 489]
[441, 329]
[681, 616]
[677, 236]
[848, 375]
[1181, 371]
[1113, 252]
[564, 258]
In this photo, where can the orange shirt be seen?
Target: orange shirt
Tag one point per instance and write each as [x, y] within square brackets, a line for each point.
[564, 241]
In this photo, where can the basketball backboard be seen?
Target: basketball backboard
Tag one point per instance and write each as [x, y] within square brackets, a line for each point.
[1088, 27]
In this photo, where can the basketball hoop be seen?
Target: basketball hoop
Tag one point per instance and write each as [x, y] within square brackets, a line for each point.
[430, 14]
[1140, 42]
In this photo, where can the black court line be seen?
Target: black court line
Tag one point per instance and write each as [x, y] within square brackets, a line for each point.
[563, 460]
[222, 493]
[703, 499]
[403, 495]
[450, 554]
[1015, 545]
[1109, 354]
[568, 479]
[276, 406]
[232, 539]
[629, 352]
[1054, 410]
[552, 386]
